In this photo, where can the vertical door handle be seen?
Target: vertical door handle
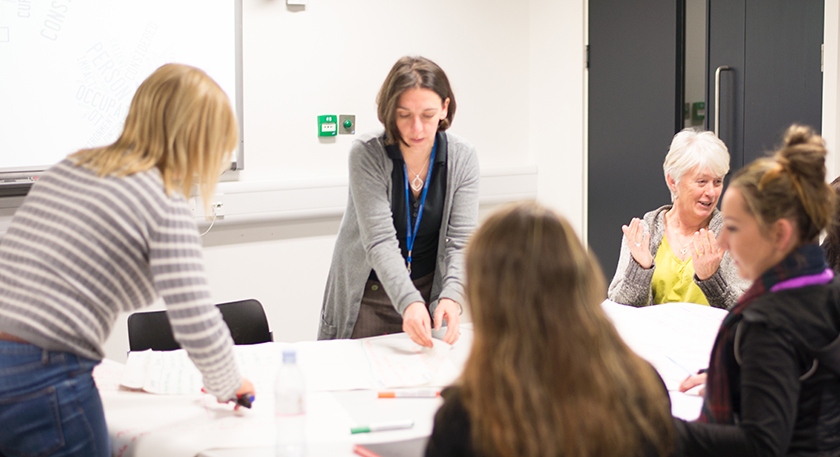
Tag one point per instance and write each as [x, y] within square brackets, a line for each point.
[717, 97]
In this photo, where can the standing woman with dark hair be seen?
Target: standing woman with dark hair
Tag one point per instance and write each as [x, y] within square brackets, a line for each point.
[105, 231]
[773, 384]
[548, 374]
[413, 203]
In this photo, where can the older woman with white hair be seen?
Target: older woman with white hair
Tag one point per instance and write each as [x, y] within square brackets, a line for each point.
[672, 254]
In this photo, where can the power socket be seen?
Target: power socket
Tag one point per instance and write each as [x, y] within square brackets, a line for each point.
[218, 208]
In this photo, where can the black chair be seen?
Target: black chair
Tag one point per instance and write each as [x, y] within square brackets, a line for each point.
[246, 320]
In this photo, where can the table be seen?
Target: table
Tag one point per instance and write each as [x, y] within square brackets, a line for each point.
[676, 338]
[217, 427]
[345, 377]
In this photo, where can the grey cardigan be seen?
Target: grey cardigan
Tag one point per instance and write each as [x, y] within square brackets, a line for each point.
[367, 238]
[631, 283]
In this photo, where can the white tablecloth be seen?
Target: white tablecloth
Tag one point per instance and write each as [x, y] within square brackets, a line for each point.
[676, 338]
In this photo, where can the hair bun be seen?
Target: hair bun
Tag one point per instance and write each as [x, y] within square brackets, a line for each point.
[791, 184]
[803, 153]
[801, 134]
[803, 158]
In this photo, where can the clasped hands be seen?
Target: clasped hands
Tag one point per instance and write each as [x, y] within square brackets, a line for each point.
[417, 322]
[706, 254]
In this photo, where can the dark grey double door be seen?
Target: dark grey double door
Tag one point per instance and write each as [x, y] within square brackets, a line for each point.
[772, 51]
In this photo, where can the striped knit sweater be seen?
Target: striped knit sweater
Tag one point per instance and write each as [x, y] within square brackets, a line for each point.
[83, 248]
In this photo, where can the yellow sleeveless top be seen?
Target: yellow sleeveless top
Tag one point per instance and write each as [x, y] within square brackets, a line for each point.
[673, 280]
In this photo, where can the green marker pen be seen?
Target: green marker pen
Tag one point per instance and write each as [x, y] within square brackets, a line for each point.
[382, 426]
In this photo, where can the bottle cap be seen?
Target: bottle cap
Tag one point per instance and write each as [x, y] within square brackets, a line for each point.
[289, 356]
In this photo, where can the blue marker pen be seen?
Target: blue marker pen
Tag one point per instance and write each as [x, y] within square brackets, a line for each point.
[245, 400]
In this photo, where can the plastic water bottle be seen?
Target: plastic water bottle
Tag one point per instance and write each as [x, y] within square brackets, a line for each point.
[289, 408]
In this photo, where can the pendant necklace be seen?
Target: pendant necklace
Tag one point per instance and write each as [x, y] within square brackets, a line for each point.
[417, 182]
[683, 247]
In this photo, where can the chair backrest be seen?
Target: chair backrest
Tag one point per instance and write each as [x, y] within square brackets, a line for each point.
[150, 330]
[246, 320]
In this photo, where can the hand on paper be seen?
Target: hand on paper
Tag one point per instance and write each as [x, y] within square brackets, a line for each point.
[417, 323]
[638, 241]
[707, 254]
[449, 310]
[692, 382]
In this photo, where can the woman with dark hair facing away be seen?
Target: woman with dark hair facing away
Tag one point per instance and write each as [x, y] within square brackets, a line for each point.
[413, 202]
[773, 383]
[109, 230]
[831, 243]
[548, 374]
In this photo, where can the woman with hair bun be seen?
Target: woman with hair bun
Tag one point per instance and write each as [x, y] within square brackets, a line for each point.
[773, 383]
[548, 374]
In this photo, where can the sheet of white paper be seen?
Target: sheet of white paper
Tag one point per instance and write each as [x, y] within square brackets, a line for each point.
[365, 408]
[259, 363]
[396, 361]
[685, 406]
[676, 338]
[108, 375]
[326, 421]
[162, 372]
[136, 365]
[326, 366]
[333, 365]
[195, 423]
[173, 373]
[134, 417]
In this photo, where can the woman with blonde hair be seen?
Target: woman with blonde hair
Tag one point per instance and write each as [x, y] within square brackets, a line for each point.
[773, 383]
[548, 374]
[109, 230]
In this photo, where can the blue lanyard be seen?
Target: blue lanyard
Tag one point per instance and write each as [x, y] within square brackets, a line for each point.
[411, 236]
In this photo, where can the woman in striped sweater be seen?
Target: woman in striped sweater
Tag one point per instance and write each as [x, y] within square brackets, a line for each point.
[105, 231]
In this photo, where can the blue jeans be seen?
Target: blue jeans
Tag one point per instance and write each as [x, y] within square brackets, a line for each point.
[49, 404]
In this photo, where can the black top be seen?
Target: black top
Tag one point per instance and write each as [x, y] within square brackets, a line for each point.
[782, 407]
[426, 244]
[452, 435]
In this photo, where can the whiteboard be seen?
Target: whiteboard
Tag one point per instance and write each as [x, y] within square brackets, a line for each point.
[68, 69]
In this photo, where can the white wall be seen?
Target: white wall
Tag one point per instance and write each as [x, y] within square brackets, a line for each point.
[509, 63]
[831, 85]
[517, 71]
[332, 56]
[556, 104]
